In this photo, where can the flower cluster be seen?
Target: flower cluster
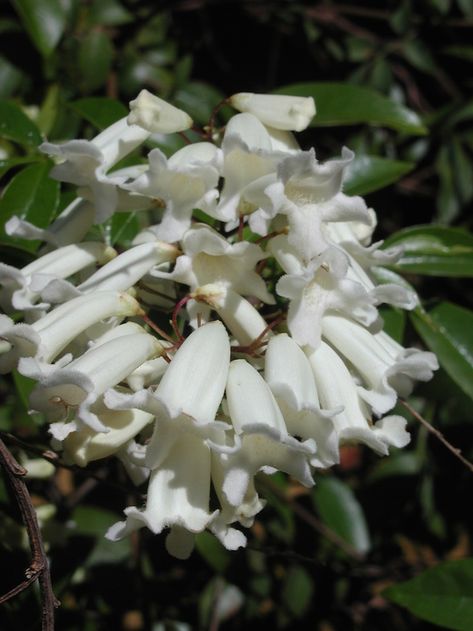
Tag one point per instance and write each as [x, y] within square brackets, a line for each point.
[284, 356]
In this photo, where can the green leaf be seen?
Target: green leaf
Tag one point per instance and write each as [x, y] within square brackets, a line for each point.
[23, 386]
[49, 109]
[394, 322]
[109, 13]
[346, 104]
[198, 100]
[212, 551]
[44, 20]
[340, 510]
[10, 163]
[95, 60]
[10, 78]
[442, 594]
[298, 590]
[32, 195]
[399, 463]
[100, 111]
[16, 126]
[123, 228]
[434, 251]
[370, 173]
[94, 522]
[447, 329]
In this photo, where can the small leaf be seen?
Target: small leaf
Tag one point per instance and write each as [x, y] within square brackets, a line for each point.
[49, 109]
[298, 590]
[370, 173]
[434, 251]
[123, 228]
[10, 163]
[447, 329]
[441, 594]
[16, 126]
[95, 60]
[198, 100]
[212, 551]
[44, 21]
[31, 195]
[399, 463]
[10, 78]
[341, 511]
[346, 104]
[394, 322]
[100, 111]
[109, 13]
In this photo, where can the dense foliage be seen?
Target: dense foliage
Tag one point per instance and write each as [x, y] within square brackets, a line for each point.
[393, 83]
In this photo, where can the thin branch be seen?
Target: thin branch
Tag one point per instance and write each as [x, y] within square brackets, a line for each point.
[313, 522]
[438, 434]
[39, 567]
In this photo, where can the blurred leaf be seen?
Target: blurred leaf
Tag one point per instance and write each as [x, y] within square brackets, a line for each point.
[345, 104]
[434, 250]
[441, 594]
[109, 13]
[370, 173]
[399, 463]
[212, 551]
[44, 21]
[298, 590]
[447, 202]
[16, 126]
[101, 111]
[124, 227]
[461, 52]
[49, 110]
[466, 6]
[10, 163]
[417, 53]
[447, 329]
[431, 515]
[10, 78]
[394, 322]
[95, 60]
[340, 510]
[462, 170]
[23, 386]
[198, 100]
[32, 195]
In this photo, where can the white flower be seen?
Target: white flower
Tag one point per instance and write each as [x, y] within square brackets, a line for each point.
[336, 387]
[70, 226]
[260, 427]
[86, 163]
[278, 111]
[386, 368]
[17, 292]
[189, 393]
[209, 258]
[288, 373]
[186, 181]
[157, 116]
[48, 336]
[75, 389]
[178, 495]
[119, 274]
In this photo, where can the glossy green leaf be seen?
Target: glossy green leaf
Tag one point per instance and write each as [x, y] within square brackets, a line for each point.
[394, 322]
[442, 595]
[44, 21]
[340, 510]
[10, 163]
[123, 228]
[346, 104]
[100, 111]
[16, 126]
[198, 100]
[447, 330]
[434, 250]
[31, 195]
[95, 60]
[370, 173]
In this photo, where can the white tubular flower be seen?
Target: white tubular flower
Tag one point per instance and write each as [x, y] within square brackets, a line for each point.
[292, 113]
[244, 513]
[118, 275]
[260, 426]
[78, 387]
[48, 336]
[248, 156]
[387, 369]
[17, 292]
[189, 393]
[178, 495]
[209, 258]
[186, 181]
[85, 163]
[288, 373]
[240, 316]
[336, 387]
[157, 116]
[309, 193]
[70, 226]
[86, 445]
